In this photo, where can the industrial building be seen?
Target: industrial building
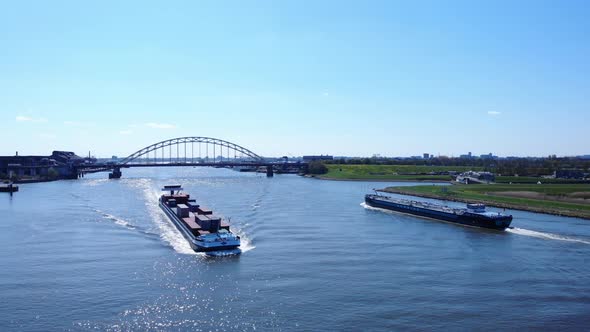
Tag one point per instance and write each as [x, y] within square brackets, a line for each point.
[58, 165]
[317, 158]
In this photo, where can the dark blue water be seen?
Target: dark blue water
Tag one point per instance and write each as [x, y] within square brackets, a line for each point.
[98, 254]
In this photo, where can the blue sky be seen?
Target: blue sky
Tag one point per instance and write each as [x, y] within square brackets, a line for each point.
[297, 77]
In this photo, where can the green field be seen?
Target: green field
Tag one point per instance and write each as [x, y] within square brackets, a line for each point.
[563, 199]
[533, 180]
[390, 172]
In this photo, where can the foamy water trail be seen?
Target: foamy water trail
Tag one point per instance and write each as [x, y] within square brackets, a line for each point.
[94, 182]
[546, 236]
[116, 220]
[245, 242]
[168, 232]
[368, 207]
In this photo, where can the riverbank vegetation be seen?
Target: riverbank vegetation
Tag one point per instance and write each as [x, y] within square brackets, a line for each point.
[380, 172]
[533, 167]
[317, 168]
[536, 180]
[561, 199]
[392, 172]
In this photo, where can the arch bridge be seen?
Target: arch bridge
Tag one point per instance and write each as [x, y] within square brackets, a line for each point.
[186, 151]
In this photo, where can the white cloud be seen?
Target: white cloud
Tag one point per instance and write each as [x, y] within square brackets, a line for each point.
[77, 123]
[47, 136]
[494, 113]
[22, 118]
[160, 125]
[126, 132]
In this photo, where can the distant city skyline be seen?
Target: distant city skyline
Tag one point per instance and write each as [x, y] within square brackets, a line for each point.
[297, 78]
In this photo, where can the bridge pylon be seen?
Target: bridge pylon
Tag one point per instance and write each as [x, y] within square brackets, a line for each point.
[116, 174]
[269, 171]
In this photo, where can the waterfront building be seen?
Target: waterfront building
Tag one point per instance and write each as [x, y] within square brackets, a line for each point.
[488, 156]
[475, 177]
[60, 164]
[317, 158]
[466, 156]
[569, 174]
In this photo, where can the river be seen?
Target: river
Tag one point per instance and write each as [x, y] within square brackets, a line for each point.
[97, 254]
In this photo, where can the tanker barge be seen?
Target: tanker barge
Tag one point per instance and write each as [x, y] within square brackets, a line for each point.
[204, 231]
[473, 215]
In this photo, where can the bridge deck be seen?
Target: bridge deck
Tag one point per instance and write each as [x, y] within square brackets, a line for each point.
[178, 164]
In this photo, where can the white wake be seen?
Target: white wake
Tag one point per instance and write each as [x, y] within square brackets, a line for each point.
[168, 232]
[368, 207]
[116, 220]
[546, 236]
[245, 243]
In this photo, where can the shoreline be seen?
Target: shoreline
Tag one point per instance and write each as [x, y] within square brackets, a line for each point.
[34, 181]
[374, 180]
[563, 213]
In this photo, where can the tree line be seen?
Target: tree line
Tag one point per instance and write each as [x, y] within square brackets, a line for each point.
[504, 166]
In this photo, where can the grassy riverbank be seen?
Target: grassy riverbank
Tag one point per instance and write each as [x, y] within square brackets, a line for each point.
[535, 180]
[390, 172]
[561, 199]
[415, 173]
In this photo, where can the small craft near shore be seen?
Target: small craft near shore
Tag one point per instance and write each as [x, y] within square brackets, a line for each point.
[8, 188]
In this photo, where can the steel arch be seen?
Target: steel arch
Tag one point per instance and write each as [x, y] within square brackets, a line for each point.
[195, 139]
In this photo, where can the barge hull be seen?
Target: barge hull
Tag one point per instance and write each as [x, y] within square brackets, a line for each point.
[466, 219]
[195, 245]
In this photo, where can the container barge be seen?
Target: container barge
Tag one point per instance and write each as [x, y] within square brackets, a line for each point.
[204, 231]
[473, 215]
